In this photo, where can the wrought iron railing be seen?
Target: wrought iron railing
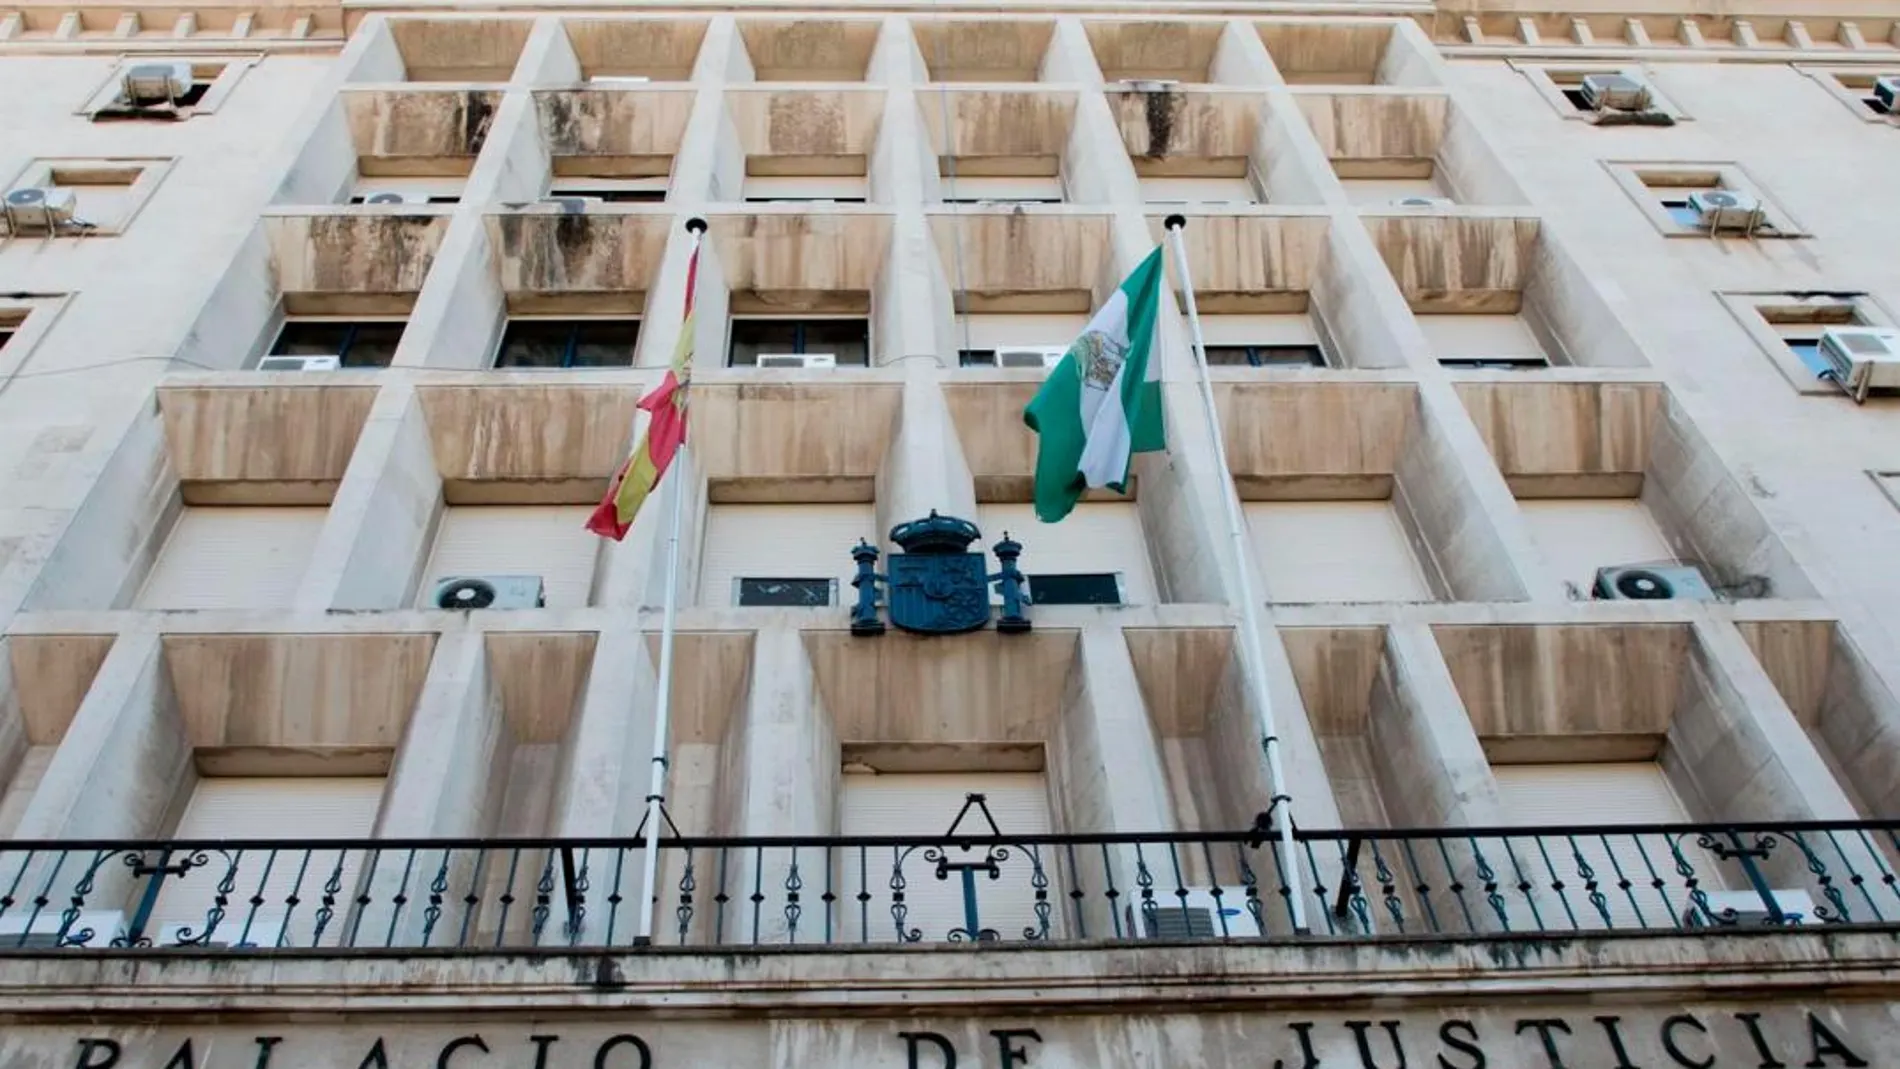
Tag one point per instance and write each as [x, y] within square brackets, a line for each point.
[415, 895]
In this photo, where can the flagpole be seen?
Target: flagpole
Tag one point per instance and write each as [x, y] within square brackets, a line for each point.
[663, 701]
[1282, 804]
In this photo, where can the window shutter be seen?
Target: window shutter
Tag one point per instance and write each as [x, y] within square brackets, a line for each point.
[1580, 535]
[921, 806]
[233, 558]
[301, 808]
[1329, 551]
[781, 542]
[550, 541]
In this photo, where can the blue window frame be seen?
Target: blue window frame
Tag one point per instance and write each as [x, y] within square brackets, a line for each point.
[1265, 356]
[568, 343]
[847, 339]
[358, 344]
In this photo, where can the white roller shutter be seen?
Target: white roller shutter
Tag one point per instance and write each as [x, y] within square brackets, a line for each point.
[300, 808]
[1197, 190]
[1287, 329]
[550, 541]
[781, 542]
[1580, 535]
[802, 187]
[1000, 187]
[1387, 190]
[1635, 792]
[1462, 337]
[1099, 536]
[922, 806]
[1013, 331]
[233, 558]
[1331, 551]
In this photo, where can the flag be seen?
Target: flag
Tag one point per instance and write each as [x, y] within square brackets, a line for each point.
[1102, 403]
[666, 432]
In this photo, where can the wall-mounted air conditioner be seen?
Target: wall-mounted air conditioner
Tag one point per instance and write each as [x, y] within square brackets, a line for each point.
[40, 210]
[300, 363]
[147, 85]
[393, 196]
[1725, 209]
[1861, 359]
[1887, 91]
[21, 928]
[1037, 356]
[1643, 582]
[1615, 92]
[1423, 202]
[1200, 915]
[1747, 910]
[1149, 85]
[234, 930]
[489, 592]
[798, 360]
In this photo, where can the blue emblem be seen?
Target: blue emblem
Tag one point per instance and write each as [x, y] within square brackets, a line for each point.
[937, 586]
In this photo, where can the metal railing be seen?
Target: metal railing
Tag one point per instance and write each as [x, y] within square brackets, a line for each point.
[498, 895]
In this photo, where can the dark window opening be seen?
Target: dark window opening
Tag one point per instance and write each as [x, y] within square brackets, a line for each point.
[370, 344]
[194, 94]
[1574, 94]
[1681, 212]
[1100, 588]
[1265, 356]
[568, 343]
[849, 340]
[1874, 105]
[433, 198]
[976, 358]
[804, 200]
[1493, 363]
[614, 196]
[794, 593]
[5, 337]
[1808, 351]
[1002, 200]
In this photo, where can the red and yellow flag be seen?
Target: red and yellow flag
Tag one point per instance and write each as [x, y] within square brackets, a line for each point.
[665, 433]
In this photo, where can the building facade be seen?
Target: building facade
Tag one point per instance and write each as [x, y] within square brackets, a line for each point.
[1548, 353]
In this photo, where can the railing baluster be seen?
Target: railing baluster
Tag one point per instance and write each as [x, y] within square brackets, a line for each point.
[1421, 888]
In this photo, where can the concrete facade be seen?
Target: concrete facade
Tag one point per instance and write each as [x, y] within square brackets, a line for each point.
[1423, 533]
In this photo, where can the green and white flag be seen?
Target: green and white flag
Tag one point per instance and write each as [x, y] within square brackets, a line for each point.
[1102, 403]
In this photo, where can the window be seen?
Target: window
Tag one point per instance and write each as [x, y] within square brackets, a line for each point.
[1334, 551]
[1388, 192]
[568, 343]
[1787, 327]
[1562, 87]
[773, 342]
[611, 190]
[804, 189]
[980, 189]
[84, 196]
[1091, 588]
[393, 197]
[404, 189]
[1580, 535]
[24, 319]
[355, 343]
[549, 543]
[233, 558]
[792, 593]
[1265, 356]
[1483, 342]
[1857, 89]
[1668, 193]
[1232, 190]
[1015, 340]
[164, 88]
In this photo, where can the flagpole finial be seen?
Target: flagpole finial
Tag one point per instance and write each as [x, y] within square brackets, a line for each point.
[1176, 221]
[696, 225]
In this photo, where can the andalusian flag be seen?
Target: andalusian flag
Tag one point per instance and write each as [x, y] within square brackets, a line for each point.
[666, 432]
[1102, 403]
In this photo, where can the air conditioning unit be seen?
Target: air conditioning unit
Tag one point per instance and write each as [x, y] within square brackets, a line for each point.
[1887, 91]
[489, 592]
[392, 196]
[1862, 358]
[618, 79]
[1725, 209]
[798, 360]
[1423, 202]
[21, 929]
[147, 85]
[1749, 910]
[1041, 356]
[1149, 85]
[1201, 915]
[300, 363]
[1640, 582]
[39, 210]
[234, 930]
[571, 205]
[1615, 92]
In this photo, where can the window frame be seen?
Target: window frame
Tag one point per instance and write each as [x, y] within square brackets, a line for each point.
[739, 589]
[148, 171]
[29, 318]
[350, 322]
[1252, 350]
[1752, 310]
[1120, 579]
[870, 337]
[1552, 79]
[1637, 180]
[574, 324]
[1851, 96]
[231, 71]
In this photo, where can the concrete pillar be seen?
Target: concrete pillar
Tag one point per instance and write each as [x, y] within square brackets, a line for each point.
[383, 517]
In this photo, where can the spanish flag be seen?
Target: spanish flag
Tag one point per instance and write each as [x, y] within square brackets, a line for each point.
[666, 432]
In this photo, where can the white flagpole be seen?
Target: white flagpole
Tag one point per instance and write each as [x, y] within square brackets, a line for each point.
[1249, 612]
[663, 702]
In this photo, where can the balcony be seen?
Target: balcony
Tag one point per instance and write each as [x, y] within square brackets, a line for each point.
[720, 895]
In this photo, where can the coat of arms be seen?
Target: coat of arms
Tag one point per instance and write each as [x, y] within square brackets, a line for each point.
[936, 586]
